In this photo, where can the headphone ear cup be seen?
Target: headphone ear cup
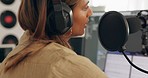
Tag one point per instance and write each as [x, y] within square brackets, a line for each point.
[67, 13]
[143, 22]
[50, 24]
[59, 20]
[143, 18]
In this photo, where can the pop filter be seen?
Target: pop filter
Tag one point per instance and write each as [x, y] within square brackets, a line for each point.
[113, 31]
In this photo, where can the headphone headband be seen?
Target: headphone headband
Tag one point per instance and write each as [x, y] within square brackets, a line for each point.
[56, 2]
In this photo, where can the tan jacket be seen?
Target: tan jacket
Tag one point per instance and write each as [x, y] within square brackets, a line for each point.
[52, 61]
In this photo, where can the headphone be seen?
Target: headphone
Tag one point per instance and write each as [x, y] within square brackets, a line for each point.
[59, 18]
[143, 17]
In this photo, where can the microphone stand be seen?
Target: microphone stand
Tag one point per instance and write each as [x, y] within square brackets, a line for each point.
[144, 41]
[143, 16]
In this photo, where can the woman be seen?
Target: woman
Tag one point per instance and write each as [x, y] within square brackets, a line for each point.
[41, 54]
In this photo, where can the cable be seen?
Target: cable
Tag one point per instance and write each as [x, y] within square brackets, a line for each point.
[134, 64]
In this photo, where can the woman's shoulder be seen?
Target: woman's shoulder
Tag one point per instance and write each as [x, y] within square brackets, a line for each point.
[76, 66]
[58, 48]
[50, 54]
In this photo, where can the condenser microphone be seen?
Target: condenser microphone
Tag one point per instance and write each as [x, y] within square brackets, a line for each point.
[134, 24]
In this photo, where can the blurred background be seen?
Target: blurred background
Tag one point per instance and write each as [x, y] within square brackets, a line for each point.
[112, 63]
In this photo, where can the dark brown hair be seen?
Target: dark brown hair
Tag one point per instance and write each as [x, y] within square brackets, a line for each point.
[32, 16]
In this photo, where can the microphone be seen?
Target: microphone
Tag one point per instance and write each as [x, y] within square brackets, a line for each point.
[134, 24]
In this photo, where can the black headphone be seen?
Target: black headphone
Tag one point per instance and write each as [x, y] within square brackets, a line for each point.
[59, 18]
[143, 17]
